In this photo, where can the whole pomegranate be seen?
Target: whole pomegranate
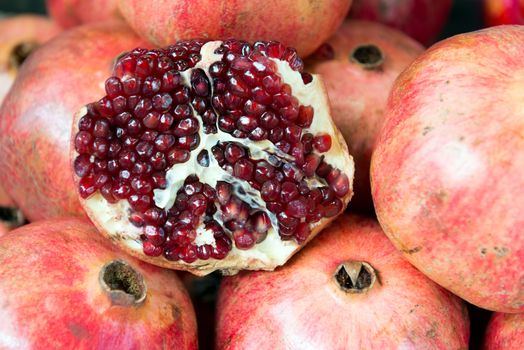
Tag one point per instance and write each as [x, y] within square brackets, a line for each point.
[19, 37]
[423, 20]
[497, 12]
[70, 13]
[211, 155]
[446, 171]
[65, 287]
[505, 332]
[359, 65]
[302, 24]
[36, 118]
[349, 289]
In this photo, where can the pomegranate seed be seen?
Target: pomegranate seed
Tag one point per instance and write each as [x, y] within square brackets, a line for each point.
[87, 186]
[302, 232]
[243, 239]
[234, 152]
[82, 165]
[322, 143]
[83, 142]
[270, 190]
[154, 235]
[151, 250]
[244, 169]
[297, 208]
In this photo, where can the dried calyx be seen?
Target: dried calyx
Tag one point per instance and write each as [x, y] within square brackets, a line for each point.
[212, 155]
[368, 56]
[355, 277]
[122, 283]
[20, 52]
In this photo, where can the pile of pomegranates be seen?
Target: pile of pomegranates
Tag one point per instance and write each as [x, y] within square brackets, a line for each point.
[186, 174]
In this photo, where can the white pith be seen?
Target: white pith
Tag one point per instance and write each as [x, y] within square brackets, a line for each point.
[270, 253]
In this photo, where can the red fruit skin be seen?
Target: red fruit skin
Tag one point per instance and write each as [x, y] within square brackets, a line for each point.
[36, 118]
[52, 299]
[300, 306]
[423, 20]
[505, 332]
[358, 94]
[497, 12]
[17, 30]
[446, 172]
[71, 13]
[301, 24]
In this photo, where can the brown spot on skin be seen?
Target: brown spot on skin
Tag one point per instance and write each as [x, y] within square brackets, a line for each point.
[78, 330]
[432, 332]
[176, 313]
[426, 130]
[412, 251]
[483, 251]
[501, 251]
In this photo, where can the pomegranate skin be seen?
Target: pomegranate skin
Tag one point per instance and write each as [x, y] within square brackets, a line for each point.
[505, 332]
[36, 118]
[31, 30]
[301, 24]
[71, 13]
[302, 306]
[497, 12]
[358, 88]
[423, 20]
[54, 298]
[446, 172]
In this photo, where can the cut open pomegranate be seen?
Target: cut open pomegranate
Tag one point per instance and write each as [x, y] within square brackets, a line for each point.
[211, 155]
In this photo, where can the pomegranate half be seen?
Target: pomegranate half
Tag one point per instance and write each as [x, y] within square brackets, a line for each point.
[37, 116]
[498, 12]
[505, 332]
[302, 24]
[349, 289]
[211, 155]
[359, 65]
[71, 13]
[65, 287]
[446, 174]
[422, 20]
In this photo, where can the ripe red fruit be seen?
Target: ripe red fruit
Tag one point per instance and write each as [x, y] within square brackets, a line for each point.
[348, 289]
[64, 286]
[423, 20]
[70, 13]
[446, 173]
[196, 157]
[505, 332]
[498, 12]
[36, 118]
[302, 24]
[19, 37]
[359, 65]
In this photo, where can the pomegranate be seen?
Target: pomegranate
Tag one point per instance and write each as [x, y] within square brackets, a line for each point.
[64, 286]
[302, 24]
[423, 20]
[211, 155]
[505, 332]
[446, 171]
[497, 12]
[359, 65]
[349, 289]
[19, 36]
[70, 13]
[36, 118]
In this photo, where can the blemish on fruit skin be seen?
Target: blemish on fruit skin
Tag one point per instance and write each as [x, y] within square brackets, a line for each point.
[412, 251]
[78, 330]
[483, 251]
[501, 251]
